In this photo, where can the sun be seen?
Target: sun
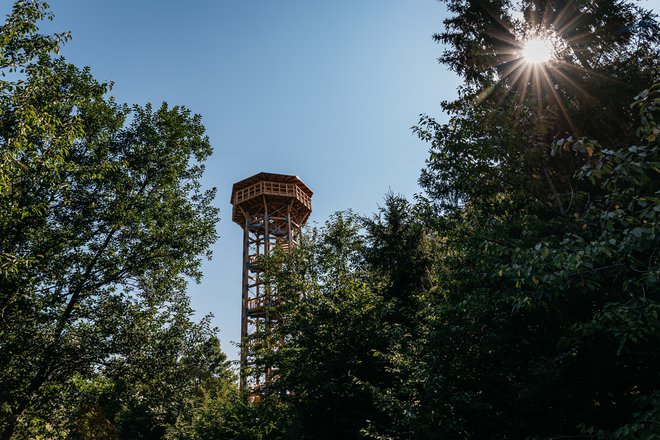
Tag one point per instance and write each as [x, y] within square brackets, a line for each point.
[537, 50]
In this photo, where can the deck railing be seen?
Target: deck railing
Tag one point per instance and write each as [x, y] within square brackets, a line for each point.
[272, 189]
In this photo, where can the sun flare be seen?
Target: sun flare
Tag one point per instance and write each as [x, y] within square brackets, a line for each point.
[537, 51]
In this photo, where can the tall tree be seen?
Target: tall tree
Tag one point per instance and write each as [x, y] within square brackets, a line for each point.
[330, 324]
[100, 204]
[546, 324]
[349, 321]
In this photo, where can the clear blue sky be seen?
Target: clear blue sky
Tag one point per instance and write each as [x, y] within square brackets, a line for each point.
[326, 90]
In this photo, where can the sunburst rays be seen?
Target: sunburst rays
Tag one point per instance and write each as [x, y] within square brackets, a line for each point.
[539, 55]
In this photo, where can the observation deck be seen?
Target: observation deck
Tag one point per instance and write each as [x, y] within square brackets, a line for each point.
[248, 195]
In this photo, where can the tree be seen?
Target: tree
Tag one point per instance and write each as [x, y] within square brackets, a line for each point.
[509, 111]
[26, 53]
[349, 321]
[330, 322]
[165, 365]
[165, 368]
[400, 257]
[548, 265]
[101, 211]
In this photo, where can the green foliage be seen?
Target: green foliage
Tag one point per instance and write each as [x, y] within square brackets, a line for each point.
[349, 321]
[509, 113]
[102, 222]
[329, 333]
[547, 324]
[37, 97]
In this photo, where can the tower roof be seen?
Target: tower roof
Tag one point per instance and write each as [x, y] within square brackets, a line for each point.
[270, 177]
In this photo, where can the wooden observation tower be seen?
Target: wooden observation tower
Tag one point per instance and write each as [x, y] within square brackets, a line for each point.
[271, 209]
